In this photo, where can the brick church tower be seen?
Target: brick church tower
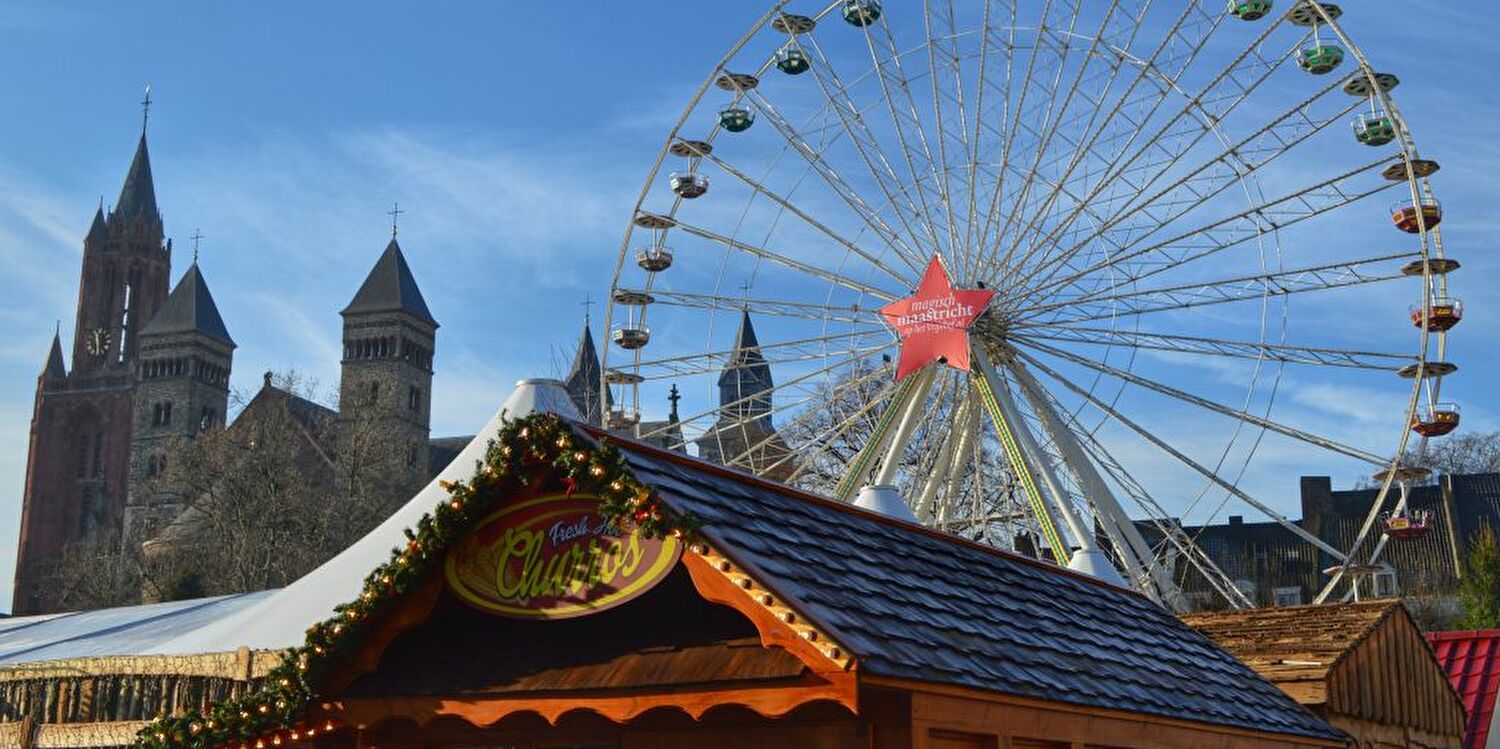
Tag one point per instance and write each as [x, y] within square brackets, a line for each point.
[78, 464]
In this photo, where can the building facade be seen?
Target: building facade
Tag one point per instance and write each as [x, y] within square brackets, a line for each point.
[150, 370]
[1273, 567]
[79, 453]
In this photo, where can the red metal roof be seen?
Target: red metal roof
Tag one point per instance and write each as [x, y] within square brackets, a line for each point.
[1472, 660]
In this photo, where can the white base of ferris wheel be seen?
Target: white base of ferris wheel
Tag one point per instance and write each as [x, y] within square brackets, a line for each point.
[1096, 564]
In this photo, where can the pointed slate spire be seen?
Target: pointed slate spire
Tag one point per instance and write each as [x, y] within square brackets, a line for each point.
[746, 375]
[138, 195]
[56, 369]
[189, 308]
[583, 379]
[390, 287]
[97, 230]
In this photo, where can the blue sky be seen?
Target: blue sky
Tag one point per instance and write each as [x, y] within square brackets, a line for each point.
[515, 136]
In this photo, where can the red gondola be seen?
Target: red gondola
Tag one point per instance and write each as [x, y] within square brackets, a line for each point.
[1435, 421]
[1406, 216]
[1441, 315]
[1414, 524]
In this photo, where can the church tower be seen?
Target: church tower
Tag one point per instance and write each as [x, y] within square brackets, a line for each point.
[77, 467]
[385, 385]
[182, 389]
[743, 436]
[582, 382]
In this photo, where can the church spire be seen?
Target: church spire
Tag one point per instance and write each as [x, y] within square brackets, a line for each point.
[745, 384]
[190, 308]
[55, 370]
[138, 195]
[390, 287]
[97, 230]
[583, 379]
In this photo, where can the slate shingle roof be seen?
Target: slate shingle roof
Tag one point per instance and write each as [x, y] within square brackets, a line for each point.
[914, 604]
[390, 287]
[189, 308]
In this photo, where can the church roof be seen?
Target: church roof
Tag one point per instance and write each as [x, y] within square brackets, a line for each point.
[55, 369]
[583, 379]
[746, 363]
[97, 230]
[189, 308]
[390, 287]
[138, 195]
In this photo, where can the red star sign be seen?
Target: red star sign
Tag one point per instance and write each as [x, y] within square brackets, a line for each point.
[934, 322]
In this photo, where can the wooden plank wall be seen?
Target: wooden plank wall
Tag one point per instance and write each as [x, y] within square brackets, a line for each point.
[951, 721]
[1392, 679]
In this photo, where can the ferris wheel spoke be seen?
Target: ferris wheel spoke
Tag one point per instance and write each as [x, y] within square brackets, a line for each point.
[1159, 154]
[1211, 238]
[1171, 532]
[822, 228]
[1106, 304]
[781, 351]
[865, 143]
[1253, 350]
[790, 386]
[1130, 173]
[1180, 45]
[822, 444]
[814, 271]
[975, 143]
[804, 408]
[944, 41]
[893, 82]
[1229, 167]
[1012, 126]
[1183, 458]
[815, 159]
[851, 313]
[1207, 404]
[1052, 121]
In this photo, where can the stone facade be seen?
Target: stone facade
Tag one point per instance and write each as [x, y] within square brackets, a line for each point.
[78, 462]
[152, 369]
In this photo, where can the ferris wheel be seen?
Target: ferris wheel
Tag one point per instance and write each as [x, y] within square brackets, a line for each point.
[1076, 278]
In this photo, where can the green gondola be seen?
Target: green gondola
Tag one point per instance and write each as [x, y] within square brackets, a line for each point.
[1374, 130]
[1249, 10]
[736, 119]
[1320, 59]
[861, 12]
[792, 61]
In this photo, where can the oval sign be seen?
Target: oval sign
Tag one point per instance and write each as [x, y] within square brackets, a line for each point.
[556, 557]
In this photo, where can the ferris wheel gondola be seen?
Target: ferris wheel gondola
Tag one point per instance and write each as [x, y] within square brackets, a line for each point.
[1136, 192]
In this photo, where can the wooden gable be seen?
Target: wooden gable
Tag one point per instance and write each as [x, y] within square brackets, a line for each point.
[1364, 667]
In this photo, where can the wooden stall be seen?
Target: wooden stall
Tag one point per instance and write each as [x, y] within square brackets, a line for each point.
[1364, 667]
[586, 592]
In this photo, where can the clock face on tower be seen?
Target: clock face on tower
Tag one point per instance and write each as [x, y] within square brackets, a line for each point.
[97, 342]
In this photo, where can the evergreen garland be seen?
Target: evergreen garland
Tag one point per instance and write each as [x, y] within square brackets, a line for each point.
[539, 446]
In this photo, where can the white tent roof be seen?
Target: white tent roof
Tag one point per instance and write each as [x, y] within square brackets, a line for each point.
[281, 620]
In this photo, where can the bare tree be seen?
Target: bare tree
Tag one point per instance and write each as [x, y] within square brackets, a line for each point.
[251, 506]
[829, 435]
[1465, 452]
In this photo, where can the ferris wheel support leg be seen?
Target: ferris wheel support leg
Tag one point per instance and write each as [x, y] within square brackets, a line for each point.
[858, 469]
[910, 417]
[967, 443]
[942, 467]
[1023, 452]
[1117, 525]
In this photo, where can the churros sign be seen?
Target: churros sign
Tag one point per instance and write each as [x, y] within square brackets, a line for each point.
[556, 557]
